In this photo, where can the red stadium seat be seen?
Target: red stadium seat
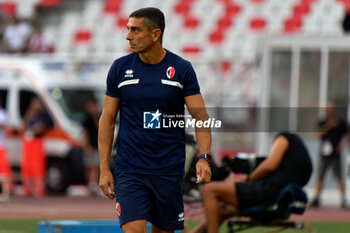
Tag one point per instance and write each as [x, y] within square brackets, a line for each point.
[258, 24]
[82, 36]
[224, 23]
[346, 4]
[257, 1]
[48, 3]
[225, 66]
[216, 37]
[8, 8]
[191, 22]
[112, 6]
[292, 25]
[301, 9]
[232, 9]
[122, 22]
[191, 49]
[182, 9]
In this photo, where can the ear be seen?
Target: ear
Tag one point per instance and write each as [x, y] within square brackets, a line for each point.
[156, 33]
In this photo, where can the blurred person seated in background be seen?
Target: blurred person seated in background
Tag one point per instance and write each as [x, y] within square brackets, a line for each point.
[287, 163]
[5, 168]
[17, 36]
[39, 43]
[33, 164]
[331, 131]
[91, 159]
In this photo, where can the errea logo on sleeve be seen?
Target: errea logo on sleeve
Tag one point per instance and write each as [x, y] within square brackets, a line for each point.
[151, 120]
[129, 73]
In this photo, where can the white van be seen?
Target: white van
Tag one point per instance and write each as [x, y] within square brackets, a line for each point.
[63, 94]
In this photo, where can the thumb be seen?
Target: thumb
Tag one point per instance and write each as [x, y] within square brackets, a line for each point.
[199, 174]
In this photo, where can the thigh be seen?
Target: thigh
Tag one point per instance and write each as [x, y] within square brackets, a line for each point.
[224, 191]
[167, 207]
[336, 167]
[324, 163]
[133, 198]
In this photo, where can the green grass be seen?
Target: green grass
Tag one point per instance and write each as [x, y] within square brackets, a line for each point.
[31, 226]
[19, 225]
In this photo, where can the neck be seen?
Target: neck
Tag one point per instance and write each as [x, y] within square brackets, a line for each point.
[153, 56]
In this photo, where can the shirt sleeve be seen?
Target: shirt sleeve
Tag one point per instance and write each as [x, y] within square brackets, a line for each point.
[285, 134]
[191, 86]
[112, 82]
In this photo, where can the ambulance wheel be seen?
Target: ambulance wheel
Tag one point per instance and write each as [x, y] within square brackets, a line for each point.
[57, 176]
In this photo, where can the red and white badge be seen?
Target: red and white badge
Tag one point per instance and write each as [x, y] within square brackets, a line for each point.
[170, 72]
[117, 206]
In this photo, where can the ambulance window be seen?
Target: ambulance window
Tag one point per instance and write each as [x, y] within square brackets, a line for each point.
[3, 98]
[24, 100]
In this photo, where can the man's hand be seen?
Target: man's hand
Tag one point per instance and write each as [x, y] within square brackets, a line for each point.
[203, 171]
[107, 183]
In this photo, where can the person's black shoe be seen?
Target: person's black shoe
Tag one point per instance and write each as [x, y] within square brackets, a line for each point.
[315, 203]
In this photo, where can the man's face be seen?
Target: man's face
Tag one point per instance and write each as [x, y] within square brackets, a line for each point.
[139, 36]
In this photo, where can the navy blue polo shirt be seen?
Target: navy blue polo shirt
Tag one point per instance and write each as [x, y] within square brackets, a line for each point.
[148, 92]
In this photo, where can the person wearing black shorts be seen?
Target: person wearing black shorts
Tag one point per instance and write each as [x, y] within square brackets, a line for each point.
[288, 162]
[147, 86]
[331, 131]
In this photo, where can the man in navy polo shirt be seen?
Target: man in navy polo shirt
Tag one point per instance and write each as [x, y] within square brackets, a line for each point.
[146, 86]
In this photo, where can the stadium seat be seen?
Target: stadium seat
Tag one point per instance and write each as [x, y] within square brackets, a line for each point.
[191, 22]
[83, 36]
[122, 21]
[112, 6]
[292, 25]
[258, 24]
[8, 8]
[216, 37]
[207, 23]
[191, 50]
[48, 3]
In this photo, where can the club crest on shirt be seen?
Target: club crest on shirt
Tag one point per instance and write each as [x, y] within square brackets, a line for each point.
[170, 72]
[117, 206]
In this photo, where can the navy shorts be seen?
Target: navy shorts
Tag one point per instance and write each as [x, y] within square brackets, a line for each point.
[155, 198]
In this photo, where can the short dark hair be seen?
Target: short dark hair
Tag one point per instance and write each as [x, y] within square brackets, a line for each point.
[154, 18]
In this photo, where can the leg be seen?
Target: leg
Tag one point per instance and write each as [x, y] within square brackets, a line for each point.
[155, 229]
[212, 194]
[319, 187]
[324, 163]
[336, 165]
[138, 226]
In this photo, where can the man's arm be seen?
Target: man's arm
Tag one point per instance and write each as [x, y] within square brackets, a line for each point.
[273, 161]
[105, 139]
[196, 108]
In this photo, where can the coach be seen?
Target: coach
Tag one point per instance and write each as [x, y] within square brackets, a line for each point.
[149, 164]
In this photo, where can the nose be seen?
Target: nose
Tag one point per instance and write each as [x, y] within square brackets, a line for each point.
[128, 36]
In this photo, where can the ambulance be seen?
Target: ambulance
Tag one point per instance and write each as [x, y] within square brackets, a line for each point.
[63, 88]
